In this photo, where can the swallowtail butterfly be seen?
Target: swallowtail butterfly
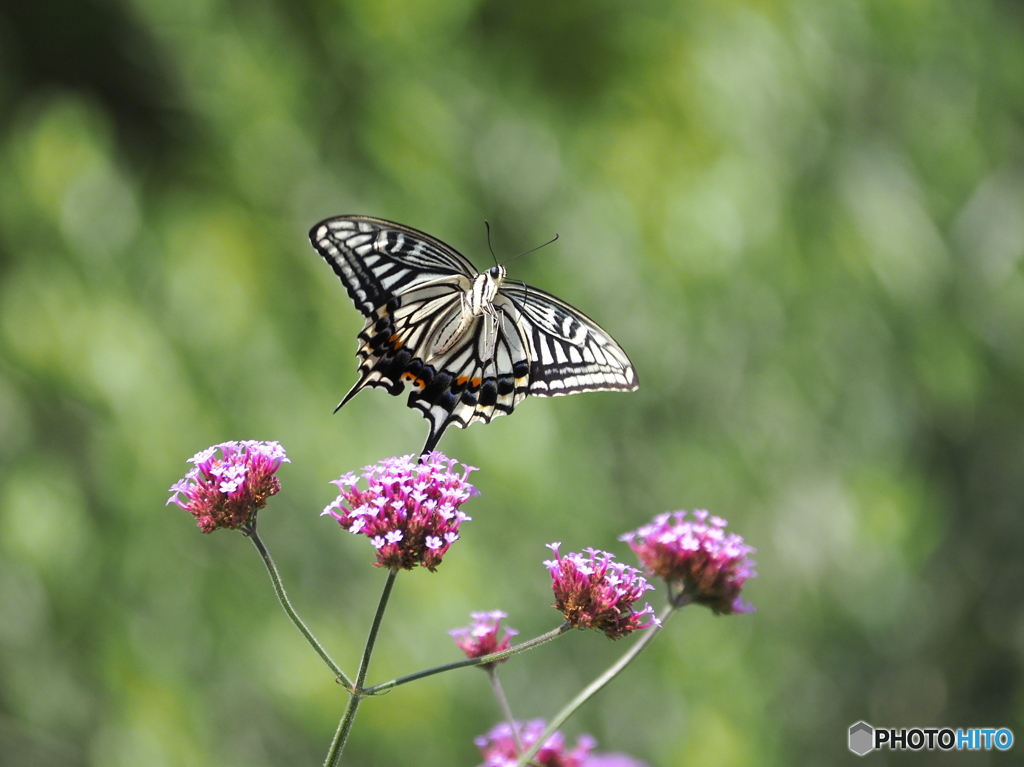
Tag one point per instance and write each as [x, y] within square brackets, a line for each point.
[470, 346]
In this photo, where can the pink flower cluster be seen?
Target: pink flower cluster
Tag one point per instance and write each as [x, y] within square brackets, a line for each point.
[481, 638]
[499, 749]
[409, 511]
[596, 592]
[227, 490]
[709, 565]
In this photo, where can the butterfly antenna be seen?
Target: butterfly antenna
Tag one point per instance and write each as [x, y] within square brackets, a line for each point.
[517, 255]
[542, 245]
[489, 247]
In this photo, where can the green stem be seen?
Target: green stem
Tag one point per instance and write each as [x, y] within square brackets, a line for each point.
[358, 693]
[483, 660]
[275, 578]
[371, 638]
[341, 736]
[594, 687]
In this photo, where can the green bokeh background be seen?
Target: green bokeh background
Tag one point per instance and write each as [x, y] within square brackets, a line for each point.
[804, 220]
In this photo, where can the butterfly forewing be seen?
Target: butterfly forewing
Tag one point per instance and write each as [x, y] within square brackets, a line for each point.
[379, 259]
[418, 294]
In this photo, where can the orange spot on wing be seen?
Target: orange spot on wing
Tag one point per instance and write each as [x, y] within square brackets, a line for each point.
[395, 341]
[476, 382]
[410, 378]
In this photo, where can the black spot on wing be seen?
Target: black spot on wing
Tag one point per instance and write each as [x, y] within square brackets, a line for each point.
[439, 386]
[488, 393]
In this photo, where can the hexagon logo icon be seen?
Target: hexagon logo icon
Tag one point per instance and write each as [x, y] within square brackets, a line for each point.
[861, 738]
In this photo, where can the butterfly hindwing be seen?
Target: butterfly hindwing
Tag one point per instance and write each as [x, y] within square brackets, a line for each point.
[482, 376]
[469, 348]
[391, 340]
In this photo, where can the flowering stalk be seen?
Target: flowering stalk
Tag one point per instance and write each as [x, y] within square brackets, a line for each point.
[596, 592]
[358, 693]
[594, 687]
[409, 510]
[225, 489]
[699, 561]
[482, 638]
[282, 597]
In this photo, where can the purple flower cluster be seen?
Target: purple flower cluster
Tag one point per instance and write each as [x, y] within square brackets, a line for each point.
[499, 749]
[481, 638]
[698, 556]
[227, 490]
[409, 511]
[595, 592]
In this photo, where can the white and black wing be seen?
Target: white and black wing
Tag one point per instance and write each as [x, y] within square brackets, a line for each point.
[378, 259]
[569, 352]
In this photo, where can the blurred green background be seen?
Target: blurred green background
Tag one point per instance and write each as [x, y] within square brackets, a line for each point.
[804, 220]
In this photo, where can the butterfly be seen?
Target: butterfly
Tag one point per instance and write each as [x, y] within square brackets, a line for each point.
[470, 346]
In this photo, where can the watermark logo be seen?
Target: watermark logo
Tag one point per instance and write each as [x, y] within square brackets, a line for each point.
[863, 739]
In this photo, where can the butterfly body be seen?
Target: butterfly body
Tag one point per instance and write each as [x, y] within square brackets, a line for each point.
[469, 347]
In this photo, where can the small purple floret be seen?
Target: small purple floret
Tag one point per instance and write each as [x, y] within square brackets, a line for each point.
[227, 491]
[596, 592]
[409, 509]
[481, 638]
[706, 564]
[499, 748]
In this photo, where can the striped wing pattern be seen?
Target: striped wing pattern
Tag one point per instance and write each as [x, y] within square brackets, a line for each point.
[569, 352]
[414, 290]
[378, 260]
